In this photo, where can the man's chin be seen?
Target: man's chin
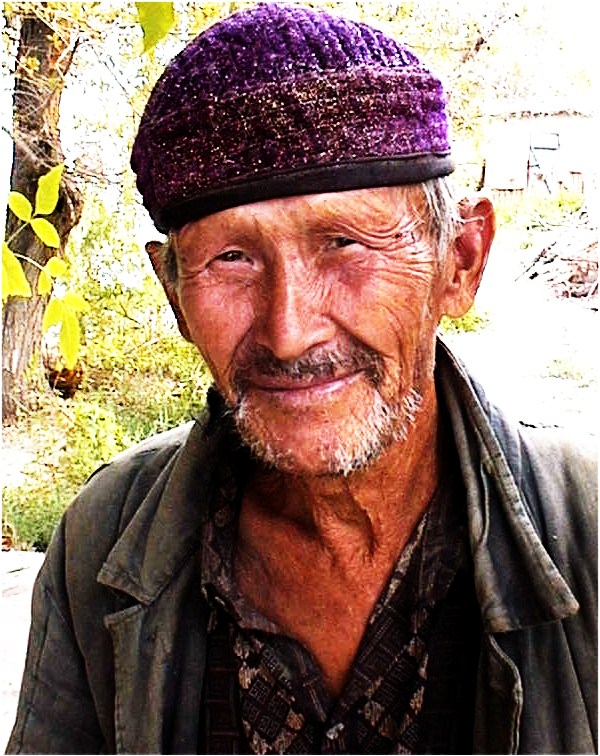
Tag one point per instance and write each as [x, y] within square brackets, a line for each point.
[306, 459]
[327, 445]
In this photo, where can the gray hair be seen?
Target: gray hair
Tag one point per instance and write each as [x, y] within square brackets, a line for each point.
[443, 220]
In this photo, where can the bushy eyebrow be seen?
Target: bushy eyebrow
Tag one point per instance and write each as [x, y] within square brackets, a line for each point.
[378, 229]
[377, 213]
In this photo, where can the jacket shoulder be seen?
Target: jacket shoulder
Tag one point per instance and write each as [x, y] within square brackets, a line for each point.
[559, 474]
[564, 466]
[102, 510]
[68, 672]
[111, 495]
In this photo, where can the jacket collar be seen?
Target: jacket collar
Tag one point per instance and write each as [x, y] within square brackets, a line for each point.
[166, 529]
[517, 583]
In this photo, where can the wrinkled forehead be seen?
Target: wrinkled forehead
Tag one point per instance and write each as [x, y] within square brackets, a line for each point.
[375, 208]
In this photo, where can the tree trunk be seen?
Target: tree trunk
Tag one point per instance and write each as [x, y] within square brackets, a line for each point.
[46, 49]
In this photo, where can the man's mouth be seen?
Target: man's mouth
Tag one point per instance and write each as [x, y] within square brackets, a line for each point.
[302, 393]
[279, 383]
[317, 373]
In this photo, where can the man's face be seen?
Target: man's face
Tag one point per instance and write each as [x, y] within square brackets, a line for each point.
[317, 318]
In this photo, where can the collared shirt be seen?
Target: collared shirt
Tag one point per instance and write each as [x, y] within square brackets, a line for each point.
[284, 706]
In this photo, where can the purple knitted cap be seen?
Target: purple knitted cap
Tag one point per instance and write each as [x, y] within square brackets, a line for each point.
[280, 100]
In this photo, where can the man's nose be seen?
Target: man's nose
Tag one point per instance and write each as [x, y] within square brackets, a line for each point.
[293, 314]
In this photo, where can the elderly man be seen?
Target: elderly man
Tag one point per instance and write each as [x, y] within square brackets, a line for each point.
[351, 551]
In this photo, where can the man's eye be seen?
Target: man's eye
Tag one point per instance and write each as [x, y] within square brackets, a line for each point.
[338, 242]
[232, 256]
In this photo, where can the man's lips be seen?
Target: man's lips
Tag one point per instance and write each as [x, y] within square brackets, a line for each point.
[281, 384]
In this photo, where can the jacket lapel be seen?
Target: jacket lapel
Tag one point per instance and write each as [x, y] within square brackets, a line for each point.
[159, 641]
[159, 653]
[518, 585]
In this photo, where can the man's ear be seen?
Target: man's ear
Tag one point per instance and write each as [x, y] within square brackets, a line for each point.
[468, 255]
[156, 253]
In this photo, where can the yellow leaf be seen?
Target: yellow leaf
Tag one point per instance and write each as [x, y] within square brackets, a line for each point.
[45, 231]
[156, 20]
[46, 197]
[56, 267]
[14, 282]
[20, 206]
[69, 339]
[74, 301]
[44, 284]
[53, 314]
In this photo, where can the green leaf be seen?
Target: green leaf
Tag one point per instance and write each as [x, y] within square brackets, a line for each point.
[14, 281]
[20, 206]
[69, 340]
[156, 20]
[45, 231]
[53, 314]
[46, 197]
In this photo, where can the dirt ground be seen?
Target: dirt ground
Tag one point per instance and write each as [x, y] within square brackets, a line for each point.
[538, 357]
[17, 573]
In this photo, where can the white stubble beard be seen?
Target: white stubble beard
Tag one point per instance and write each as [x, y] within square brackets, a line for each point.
[385, 423]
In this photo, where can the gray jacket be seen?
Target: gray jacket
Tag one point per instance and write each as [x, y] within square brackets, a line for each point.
[117, 646]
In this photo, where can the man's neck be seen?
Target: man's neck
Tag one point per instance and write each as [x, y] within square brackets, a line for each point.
[366, 515]
[313, 554]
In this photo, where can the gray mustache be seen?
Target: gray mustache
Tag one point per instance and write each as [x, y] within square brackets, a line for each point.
[317, 363]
